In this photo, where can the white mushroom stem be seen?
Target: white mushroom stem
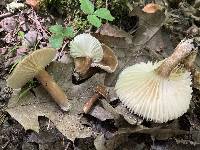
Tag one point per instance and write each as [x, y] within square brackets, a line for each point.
[56, 92]
[183, 49]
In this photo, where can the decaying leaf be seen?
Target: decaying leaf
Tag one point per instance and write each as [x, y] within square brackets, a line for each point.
[114, 31]
[30, 107]
[33, 3]
[101, 113]
[103, 142]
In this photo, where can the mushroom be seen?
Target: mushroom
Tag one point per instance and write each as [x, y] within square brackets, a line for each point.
[159, 91]
[88, 52]
[34, 65]
[151, 8]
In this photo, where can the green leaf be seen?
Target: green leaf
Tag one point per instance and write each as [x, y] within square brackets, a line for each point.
[21, 34]
[104, 14]
[87, 6]
[56, 41]
[94, 20]
[68, 32]
[57, 29]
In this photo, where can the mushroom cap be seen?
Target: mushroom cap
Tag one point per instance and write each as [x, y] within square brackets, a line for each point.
[30, 67]
[151, 8]
[150, 95]
[109, 62]
[85, 45]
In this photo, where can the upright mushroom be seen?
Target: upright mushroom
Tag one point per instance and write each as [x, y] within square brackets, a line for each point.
[88, 52]
[159, 91]
[34, 66]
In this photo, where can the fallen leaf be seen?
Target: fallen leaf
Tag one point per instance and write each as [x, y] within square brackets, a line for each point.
[103, 142]
[31, 107]
[9, 24]
[30, 39]
[100, 113]
[113, 31]
[33, 3]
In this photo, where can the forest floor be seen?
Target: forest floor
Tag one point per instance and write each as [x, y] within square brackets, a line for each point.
[36, 122]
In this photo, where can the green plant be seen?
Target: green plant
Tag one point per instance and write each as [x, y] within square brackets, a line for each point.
[21, 34]
[95, 16]
[59, 34]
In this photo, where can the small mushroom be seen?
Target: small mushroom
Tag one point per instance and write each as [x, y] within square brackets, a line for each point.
[159, 91]
[34, 66]
[100, 91]
[151, 8]
[88, 52]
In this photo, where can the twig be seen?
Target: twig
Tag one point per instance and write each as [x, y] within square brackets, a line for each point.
[2, 16]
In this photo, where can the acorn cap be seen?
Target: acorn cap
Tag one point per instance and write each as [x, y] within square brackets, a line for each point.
[30, 67]
[152, 96]
[109, 62]
[85, 45]
[151, 8]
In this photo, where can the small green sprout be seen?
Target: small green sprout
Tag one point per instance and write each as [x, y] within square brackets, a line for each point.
[95, 16]
[59, 33]
[21, 34]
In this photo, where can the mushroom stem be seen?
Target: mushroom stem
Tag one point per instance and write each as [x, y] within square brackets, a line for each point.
[183, 49]
[82, 65]
[90, 102]
[56, 92]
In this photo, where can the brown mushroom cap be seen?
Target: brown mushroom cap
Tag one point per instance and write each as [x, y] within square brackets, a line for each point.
[109, 62]
[30, 66]
[151, 8]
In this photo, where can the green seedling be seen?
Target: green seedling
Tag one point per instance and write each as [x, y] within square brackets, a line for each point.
[95, 16]
[21, 34]
[59, 34]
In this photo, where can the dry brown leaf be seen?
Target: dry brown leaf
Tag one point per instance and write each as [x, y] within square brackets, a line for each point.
[33, 3]
[113, 141]
[30, 107]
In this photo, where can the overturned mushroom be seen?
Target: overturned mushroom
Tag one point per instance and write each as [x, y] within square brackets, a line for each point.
[159, 91]
[34, 66]
[88, 52]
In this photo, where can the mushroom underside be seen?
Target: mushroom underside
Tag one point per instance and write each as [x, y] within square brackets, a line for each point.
[30, 66]
[153, 97]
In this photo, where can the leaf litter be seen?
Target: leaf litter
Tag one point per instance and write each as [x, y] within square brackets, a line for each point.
[135, 47]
